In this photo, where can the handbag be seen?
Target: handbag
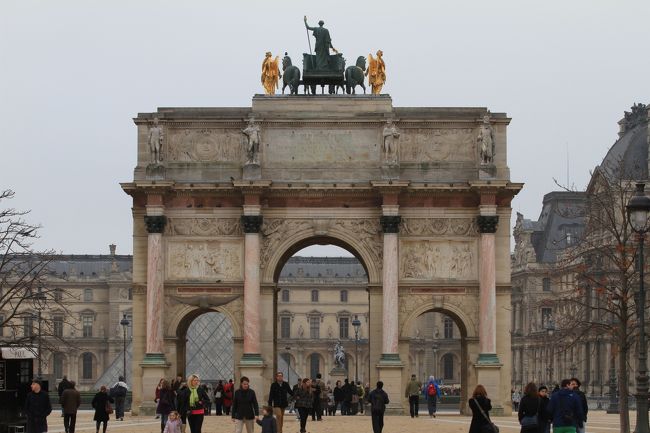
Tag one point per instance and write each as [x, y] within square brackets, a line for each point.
[529, 421]
[109, 408]
[490, 427]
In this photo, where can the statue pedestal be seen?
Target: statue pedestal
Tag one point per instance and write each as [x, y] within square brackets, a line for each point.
[488, 373]
[390, 171]
[390, 372]
[252, 171]
[155, 172]
[338, 373]
[154, 366]
[487, 171]
[252, 366]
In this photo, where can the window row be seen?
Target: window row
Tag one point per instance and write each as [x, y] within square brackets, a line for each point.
[286, 297]
[314, 327]
[53, 326]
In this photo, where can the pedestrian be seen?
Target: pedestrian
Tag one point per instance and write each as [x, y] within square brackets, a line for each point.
[37, 408]
[378, 401]
[338, 397]
[304, 402]
[318, 386]
[70, 401]
[102, 405]
[516, 398]
[166, 403]
[183, 404]
[481, 406]
[245, 409]
[431, 393]
[176, 382]
[157, 394]
[195, 401]
[412, 392]
[347, 398]
[63, 385]
[267, 422]
[575, 385]
[295, 389]
[543, 417]
[118, 392]
[218, 398]
[228, 390]
[173, 424]
[566, 409]
[362, 395]
[528, 413]
[279, 398]
[208, 390]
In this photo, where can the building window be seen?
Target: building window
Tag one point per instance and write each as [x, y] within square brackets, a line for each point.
[448, 366]
[28, 326]
[87, 324]
[58, 294]
[25, 371]
[57, 326]
[344, 296]
[57, 367]
[314, 327]
[546, 284]
[344, 327]
[87, 366]
[448, 327]
[314, 364]
[285, 295]
[285, 327]
[314, 295]
[88, 295]
[547, 314]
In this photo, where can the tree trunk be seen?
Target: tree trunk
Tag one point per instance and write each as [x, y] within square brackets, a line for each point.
[623, 388]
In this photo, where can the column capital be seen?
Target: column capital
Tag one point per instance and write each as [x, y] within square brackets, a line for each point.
[155, 223]
[487, 223]
[390, 223]
[251, 223]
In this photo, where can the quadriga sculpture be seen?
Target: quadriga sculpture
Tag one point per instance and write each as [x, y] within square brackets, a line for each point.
[354, 76]
[291, 76]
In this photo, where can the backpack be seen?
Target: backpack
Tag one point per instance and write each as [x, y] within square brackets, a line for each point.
[431, 390]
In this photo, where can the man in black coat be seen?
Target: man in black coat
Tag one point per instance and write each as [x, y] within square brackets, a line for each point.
[575, 385]
[347, 398]
[278, 399]
[37, 408]
[63, 385]
[378, 401]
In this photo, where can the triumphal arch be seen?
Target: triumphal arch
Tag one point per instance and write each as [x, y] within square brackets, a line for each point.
[222, 197]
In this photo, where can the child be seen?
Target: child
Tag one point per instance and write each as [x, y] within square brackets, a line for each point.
[173, 423]
[268, 422]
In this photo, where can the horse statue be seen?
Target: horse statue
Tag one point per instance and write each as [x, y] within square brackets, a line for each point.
[354, 76]
[339, 355]
[291, 76]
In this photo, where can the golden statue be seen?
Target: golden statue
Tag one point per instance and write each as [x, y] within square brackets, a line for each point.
[376, 72]
[270, 73]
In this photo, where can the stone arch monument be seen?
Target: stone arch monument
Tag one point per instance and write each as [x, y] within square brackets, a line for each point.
[213, 226]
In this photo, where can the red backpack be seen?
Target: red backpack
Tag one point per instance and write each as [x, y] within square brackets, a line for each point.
[431, 390]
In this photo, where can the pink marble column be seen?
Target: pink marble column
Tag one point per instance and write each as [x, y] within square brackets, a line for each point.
[252, 225]
[390, 298]
[155, 284]
[487, 286]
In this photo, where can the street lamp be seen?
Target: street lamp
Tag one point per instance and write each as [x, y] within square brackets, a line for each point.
[550, 330]
[125, 324]
[356, 323]
[638, 210]
[40, 300]
[288, 349]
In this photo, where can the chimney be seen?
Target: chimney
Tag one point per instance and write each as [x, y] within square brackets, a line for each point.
[112, 248]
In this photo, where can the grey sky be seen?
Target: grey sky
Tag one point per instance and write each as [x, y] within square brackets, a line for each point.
[73, 74]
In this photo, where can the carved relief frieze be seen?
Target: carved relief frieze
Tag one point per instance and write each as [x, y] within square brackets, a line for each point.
[204, 227]
[204, 260]
[207, 144]
[438, 227]
[431, 145]
[428, 260]
[368, 232]
[274, 231]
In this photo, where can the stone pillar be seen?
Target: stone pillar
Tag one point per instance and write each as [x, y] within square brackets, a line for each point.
[487, 225]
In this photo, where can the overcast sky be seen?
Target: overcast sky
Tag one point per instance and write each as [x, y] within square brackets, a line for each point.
[74, 73]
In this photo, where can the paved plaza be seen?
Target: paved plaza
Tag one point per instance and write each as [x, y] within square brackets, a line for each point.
[444, 423]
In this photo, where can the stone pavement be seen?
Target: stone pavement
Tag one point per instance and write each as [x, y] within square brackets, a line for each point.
[444, 423]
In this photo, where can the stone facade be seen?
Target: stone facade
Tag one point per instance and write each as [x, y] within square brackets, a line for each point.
[321, 177]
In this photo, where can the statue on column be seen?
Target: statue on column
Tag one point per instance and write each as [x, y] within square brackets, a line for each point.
[155, 141]
[339, 355]
[391, 143]
[486, 141]
[323, 44]
[376, 72]
[252, 133]
[270, 73]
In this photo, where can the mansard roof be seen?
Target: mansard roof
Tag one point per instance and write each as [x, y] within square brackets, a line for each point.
[344, 268]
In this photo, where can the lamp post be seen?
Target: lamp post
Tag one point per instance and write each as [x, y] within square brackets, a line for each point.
[288, 349]
[125, 324]
[638, 210]
[550, 330]
[40, 300]
[356, 323]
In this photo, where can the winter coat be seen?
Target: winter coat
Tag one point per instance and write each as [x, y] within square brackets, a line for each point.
[304, 398]
[166, 402]
[543, 417]
[63, 385]
[70, 401]
[566, 408]
[583, 400]
[413, 388]
[529, 406]
[244, 404]
[99, 404]
[338, 394]
[278, 394]
[425, 390]
[173, 426]
[268, 424]
[228, 390]
[478, 420]
[378, 400]
[37, 408]
[183, 400]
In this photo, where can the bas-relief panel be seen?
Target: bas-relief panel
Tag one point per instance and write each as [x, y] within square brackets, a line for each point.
[438, 227]
[204, 227]
[322, 146]
[430, 145]
[203, 145]
[204, 260]
[429, 260]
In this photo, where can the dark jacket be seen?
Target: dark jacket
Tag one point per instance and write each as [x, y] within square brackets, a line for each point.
[304, 398]
[268, 424]
[348, 390]
[278, 394]
[244, 404]
[183, 400]
[378, 400]
[70, 401]
[543, 417]
[528, 406]
[566, 408]
[166, 403]
[37, 408]
[478, 420]
[338, 394]
[99, 404]
[63, 385]
[585, 407]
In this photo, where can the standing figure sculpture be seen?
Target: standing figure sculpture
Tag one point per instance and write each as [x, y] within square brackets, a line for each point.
[270, 73]
[155, 141]
[376, 72]
[486, 141]
[323, 44]
[339, 355]
[391, 143]
[252, 133]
